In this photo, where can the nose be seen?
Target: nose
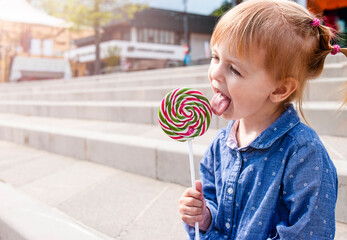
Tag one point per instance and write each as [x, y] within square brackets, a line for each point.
[217, 72]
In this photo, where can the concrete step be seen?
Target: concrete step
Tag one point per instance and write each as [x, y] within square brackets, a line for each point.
[326, 117]
[334, 70]
[142, 93]
[138, 148]
[116, 82]
[109, 81]
[123, 75]
[326, 89]
[163, 77]
[118, 111]
[55, 197]
[112, 76]
[25, 218]
[341, 233]
[323, 89]
[338, 58]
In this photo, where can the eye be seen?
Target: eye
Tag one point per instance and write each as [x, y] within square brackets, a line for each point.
[234, 71]
[214, 58]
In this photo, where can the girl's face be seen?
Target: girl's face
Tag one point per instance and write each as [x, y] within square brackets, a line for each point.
[242, 86]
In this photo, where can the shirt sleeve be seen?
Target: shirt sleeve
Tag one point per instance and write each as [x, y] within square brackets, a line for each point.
[309, 194]
[208, 183]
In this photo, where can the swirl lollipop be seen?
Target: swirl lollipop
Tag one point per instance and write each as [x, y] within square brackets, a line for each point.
[184, 114]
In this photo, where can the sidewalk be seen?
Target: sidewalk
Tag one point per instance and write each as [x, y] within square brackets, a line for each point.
[81, 199]
[47, 196]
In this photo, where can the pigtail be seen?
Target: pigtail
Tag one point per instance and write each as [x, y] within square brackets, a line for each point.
[322, 37]
[325, 38]
[324, 48]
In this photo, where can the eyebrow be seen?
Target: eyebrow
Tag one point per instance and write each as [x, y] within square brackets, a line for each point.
[234, 61]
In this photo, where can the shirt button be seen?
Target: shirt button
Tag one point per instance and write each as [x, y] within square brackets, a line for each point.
[230, 191]
[227, 225]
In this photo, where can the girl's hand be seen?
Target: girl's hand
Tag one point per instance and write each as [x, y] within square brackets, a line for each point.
[193, 208]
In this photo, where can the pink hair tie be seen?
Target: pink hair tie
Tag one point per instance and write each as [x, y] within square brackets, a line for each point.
[315, 22]
[335, 50]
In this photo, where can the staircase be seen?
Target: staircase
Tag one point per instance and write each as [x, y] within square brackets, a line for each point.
[91, 131]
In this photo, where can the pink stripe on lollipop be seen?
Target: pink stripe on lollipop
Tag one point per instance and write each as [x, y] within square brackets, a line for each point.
[193, 92]
[189, 132]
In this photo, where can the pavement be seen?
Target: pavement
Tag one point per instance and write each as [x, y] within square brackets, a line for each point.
[48, 196]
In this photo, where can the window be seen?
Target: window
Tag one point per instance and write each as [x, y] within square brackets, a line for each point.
[157, 36]
[35, 46]
[122, 34]
[48, 47]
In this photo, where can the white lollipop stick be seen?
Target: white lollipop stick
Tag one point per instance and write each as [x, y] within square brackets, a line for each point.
[192, 176]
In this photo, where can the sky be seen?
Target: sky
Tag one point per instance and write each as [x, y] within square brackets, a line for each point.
[204, 7]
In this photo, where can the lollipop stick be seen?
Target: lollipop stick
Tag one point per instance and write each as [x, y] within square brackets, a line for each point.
[192, 176]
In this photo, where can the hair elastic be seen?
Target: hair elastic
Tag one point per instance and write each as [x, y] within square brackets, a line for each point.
[335, 50]
[315, 22]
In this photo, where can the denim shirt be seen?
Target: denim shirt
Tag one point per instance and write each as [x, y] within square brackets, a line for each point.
[282, 186]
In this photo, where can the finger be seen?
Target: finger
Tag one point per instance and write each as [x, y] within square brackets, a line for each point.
[198, 186]
[191, 202]
[191, 220]
[191, 192]
[191, 211]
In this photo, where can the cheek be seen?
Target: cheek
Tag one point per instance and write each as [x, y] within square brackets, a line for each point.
[253, 98]
[244, 94]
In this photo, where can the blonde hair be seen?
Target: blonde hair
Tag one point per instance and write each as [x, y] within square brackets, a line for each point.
[293, 47]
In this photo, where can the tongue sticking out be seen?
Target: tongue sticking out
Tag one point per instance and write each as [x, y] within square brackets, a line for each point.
[219, 103]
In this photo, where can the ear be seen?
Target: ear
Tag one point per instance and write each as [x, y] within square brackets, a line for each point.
[284, 90]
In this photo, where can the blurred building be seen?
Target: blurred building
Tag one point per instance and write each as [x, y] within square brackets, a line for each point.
[154, 38]
[32, 43]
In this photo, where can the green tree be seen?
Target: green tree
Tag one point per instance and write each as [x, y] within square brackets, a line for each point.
[112, 58]
[226, 5]
[90, 13]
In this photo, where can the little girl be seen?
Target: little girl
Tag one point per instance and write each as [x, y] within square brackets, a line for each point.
[267, 175]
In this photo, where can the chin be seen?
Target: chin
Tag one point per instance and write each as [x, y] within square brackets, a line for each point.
[228, 116]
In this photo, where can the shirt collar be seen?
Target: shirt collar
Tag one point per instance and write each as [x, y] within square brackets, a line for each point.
[232, 140]
[281, 126]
